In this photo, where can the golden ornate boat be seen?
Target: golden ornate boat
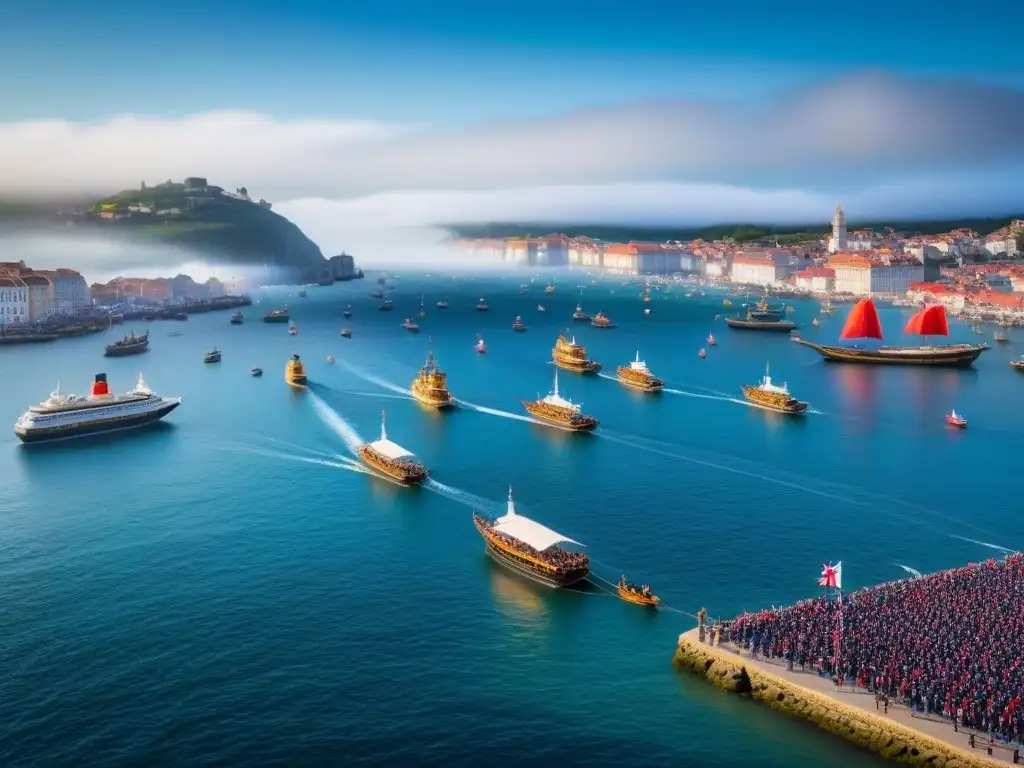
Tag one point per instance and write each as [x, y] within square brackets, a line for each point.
[772, 396]
[530, 549]
[641, 595]
[392, 460]
[601, 320]
[639, 376]
[573, 357]
[295, 372]
[555, 409]
[430, 387]
[863, 323]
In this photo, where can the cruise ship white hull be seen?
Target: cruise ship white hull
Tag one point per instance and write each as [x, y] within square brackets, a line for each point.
[38, 434]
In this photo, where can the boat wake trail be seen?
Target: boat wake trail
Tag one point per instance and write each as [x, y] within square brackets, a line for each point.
[608, 376]
[335, 462]
[912, 571]
[497, 412]
[300, 448]
[333, 419]
[365, 375]
[984, 544]
[721, 398]
[374, 394]
[465, 498]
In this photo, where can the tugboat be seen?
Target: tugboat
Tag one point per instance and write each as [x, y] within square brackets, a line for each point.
[62, 416]
[639, 376]
[518, 324]
[601, 321]
[772, 396]
[386, 305]
[392, 460]
[638, 595]
[346, 333]
[711, 340]
[954, 419]
[277, 316]
[442, 304]
[579, 315]
[573, 357]
[530, 549]
[213, 356]
[481, 306]
[480, 347]
[295, 372]
[237, 318]
[292, 330]
[347, 312]
[556, 410]
[129, 345]
[410, 326]
[256, 371]
[430, 387]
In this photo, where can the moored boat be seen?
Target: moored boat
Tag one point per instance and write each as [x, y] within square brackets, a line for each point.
[63, 416]
[391, 459]
[330, 358]
[702, 353]
[579, 315]
[346, 333]
[277, 316]
[602, 321]
[531, 549]
[480, 347]
[1000, 337]
[129, 345]
[540, 308]
[863, 323]
[518, 324]
[572, 356]
[430, 387]
[751, 323]
[549, 288]
[954, 419]
[256, 371]
[1018, 365]
[295, 372]
[711, 340]
[639, 376]
[386, 305]
[639, 595]
[292, 330]
[815, 323]
[481, 306]
[410, 326]
[237, 318]
[347, 312]
[772, 396]
[442, 304]
[213, 356]
[557, 410]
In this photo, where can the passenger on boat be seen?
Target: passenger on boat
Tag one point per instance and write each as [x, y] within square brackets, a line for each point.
[554, 556]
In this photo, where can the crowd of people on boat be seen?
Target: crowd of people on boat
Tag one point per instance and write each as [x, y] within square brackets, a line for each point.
[560, 558]
[948, 645]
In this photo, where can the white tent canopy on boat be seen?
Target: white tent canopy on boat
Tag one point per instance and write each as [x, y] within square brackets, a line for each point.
[528, 531]
[389, 449]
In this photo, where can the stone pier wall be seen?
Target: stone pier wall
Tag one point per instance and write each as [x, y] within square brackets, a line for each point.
[865, 729]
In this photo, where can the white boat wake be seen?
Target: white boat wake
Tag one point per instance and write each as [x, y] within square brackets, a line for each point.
[984, 544]
[498, 412]
[365, 375]
[467, 499]
[333, 419]
[337, 462]
[912, 571]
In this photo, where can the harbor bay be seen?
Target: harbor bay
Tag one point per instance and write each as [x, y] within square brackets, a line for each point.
[237, 554]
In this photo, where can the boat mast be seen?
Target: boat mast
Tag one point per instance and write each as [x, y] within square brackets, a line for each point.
[383, 431]
[510, 507]
[556, 385]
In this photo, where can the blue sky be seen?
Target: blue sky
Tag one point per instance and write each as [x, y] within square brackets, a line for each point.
[452, 61]
[414, 112]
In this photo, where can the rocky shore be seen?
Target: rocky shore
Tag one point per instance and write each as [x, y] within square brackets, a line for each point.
[872, 732]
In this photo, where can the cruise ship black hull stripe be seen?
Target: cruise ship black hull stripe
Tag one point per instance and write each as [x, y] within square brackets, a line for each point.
[41, 434]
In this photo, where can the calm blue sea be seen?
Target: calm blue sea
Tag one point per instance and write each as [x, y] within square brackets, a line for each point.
[223, 589]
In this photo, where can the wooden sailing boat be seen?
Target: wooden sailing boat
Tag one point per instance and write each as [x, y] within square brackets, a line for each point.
[863, 323]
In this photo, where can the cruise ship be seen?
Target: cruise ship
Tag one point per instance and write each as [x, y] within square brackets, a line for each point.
[530, 549]
[64, 416]
[556, 410]
[392, 460]
[573, 357]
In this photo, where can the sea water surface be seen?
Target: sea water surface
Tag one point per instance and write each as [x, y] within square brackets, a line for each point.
[225, 588]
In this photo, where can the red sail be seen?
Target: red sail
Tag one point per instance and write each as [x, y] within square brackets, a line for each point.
[930, 321]
[863, 322]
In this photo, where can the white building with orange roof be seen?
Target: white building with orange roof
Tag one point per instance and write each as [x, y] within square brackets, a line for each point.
[874, 272]
[648, 259]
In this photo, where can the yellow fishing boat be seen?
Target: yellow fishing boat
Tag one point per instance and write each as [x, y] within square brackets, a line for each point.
[641, 595]
[295, 372]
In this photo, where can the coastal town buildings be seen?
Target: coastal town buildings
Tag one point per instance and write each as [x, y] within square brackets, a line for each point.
[765, 266]
[648, 259]
[13, 300]
[868, 273]
[70, 291]
[838, 240]
[41, 293]
[815, 279]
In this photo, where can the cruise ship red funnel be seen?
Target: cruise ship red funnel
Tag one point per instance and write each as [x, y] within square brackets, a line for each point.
[99, 385]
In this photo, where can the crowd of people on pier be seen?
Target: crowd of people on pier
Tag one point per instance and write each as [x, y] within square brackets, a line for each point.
[555, 556]
[948, 645]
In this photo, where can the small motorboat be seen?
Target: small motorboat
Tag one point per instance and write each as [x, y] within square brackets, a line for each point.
[540, 308]
[718, 317]
[518, 324]
[330, 358]
[1000, 337]
[1018, 365]
[213, 356]
[711, 340]
[647, 310]
[345, 332]
[256, 371]
[481, 348]
[348, 311]
[954, 419]
[410, 326]
[702, 354]
[481, 306]
[386, 305]
[292, 330]
[641, 595]
[442, 304]
[549, 289]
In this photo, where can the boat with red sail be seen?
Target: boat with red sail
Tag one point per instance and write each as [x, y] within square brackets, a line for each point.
[954, 419]
[863, 323]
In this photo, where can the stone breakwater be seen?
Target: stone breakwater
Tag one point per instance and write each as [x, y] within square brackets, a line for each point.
[865, 729]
